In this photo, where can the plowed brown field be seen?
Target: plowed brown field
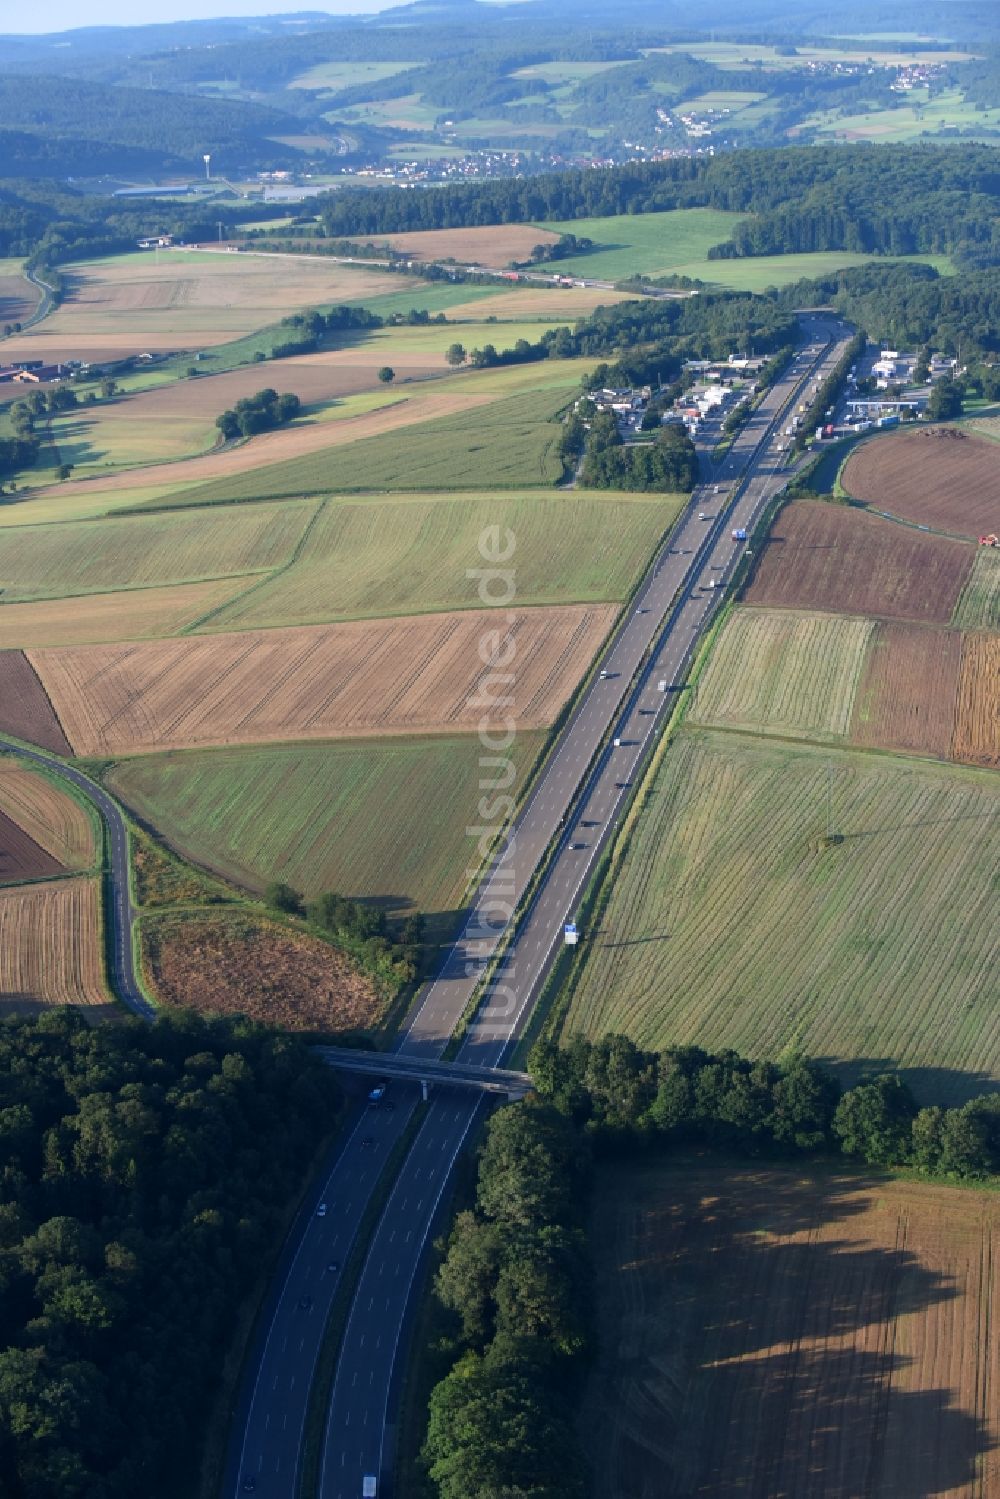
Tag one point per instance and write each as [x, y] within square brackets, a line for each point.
[821, 556]
[977, 719]
[488, 244]
[50, 816]
[941, 477]
[411, 675]
[21, 858]
[777, 1332]
[248, 966]
[25, 711]
[906, 699]
[50, 948]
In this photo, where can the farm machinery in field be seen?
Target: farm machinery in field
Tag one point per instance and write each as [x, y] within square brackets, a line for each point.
[989, 541]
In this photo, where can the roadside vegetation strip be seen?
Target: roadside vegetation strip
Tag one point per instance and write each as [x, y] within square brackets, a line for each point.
[835, 558]
[783, 672]
[943, 477]
[381, 819]
[871, 945]
[386, 555]
[908, 691]
[324, 1373]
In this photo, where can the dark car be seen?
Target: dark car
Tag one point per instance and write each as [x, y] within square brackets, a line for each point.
[574, 847]
[305, 1303]
[249, 1484]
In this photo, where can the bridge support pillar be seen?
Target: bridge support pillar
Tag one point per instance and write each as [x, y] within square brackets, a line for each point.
[423, 1089]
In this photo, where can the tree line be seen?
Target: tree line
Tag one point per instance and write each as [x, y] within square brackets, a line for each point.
[666, 462]
[146, 1171]
[891, 200]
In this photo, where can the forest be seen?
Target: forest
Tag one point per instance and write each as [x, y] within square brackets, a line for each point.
[893, 200]
[146, 1173]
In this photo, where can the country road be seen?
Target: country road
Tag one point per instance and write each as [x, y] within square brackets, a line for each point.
[118, 907]
[576, 804]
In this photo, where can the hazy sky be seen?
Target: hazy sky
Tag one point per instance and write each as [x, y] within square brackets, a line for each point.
[61, 15]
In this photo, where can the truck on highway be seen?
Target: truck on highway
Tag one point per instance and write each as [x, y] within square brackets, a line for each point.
[369, 1486]
[740, 534]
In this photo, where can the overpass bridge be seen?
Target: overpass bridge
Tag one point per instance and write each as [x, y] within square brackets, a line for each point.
[427, 1070]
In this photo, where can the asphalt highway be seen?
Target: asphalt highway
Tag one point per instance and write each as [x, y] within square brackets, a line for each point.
[576, 802]
[118, 908]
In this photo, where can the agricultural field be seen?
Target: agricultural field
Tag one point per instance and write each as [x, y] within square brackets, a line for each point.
[25, 711]
[783, 673]
[21, 858]
[677, 243]
[839, 901]
[942, 477]
[146, 303]
[18, 298]
[238, 964]
[97, 618]
[977, 716]
[53, 820]
[50, 948]
[331, 77]
[495, 245]
[562, 304]
[408, 675]
[831, 557]
[978, 606]
[908, 694]
[383, 556]
[140, 552]
[458, 441]
[738, 55]
[316, 815]
[944, 114]
[779, 1331]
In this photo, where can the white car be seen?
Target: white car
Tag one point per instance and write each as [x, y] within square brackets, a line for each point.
[321, 1210]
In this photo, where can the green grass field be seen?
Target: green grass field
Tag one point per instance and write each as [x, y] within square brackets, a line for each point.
[677, 243]
[379, 556]
[729, 925]
[380, 818]
[735, 56]
[509, 444]
[59, 561]
[806, 669]
[945, 113]
[333, 76]
[979, 605]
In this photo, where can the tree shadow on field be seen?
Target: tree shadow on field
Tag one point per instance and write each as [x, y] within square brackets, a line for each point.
[751, 1342]
[982, 819]
[947, 1086]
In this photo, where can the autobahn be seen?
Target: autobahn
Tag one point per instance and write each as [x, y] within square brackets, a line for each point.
[576, 805]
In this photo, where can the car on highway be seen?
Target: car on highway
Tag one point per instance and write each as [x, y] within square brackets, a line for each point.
[321, 1210]
[575, 847]
[249, 1484]
[603, 674]
[333, 1268]
[702, 515]
[376, 1094]
[622, 785]
[305, 1303]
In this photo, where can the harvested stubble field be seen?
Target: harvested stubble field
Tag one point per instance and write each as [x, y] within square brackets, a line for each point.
[96, 618]
[731, 922]
[409, 675]
[144, 551]
[489, 244]
[939, 477]
[777, 1331]
[783, 673]
[25, 711]
[54, 820]
[50, 948]
[564, 303]
[825, 556]
[390, 555]
[977, 715]
[133, 304]
[18, 298]
[462, 441]
[243, 965]
[907, 696]
[979, 606]
[382, 819]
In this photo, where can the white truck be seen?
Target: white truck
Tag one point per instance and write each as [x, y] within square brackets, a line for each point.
[369, 1486]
